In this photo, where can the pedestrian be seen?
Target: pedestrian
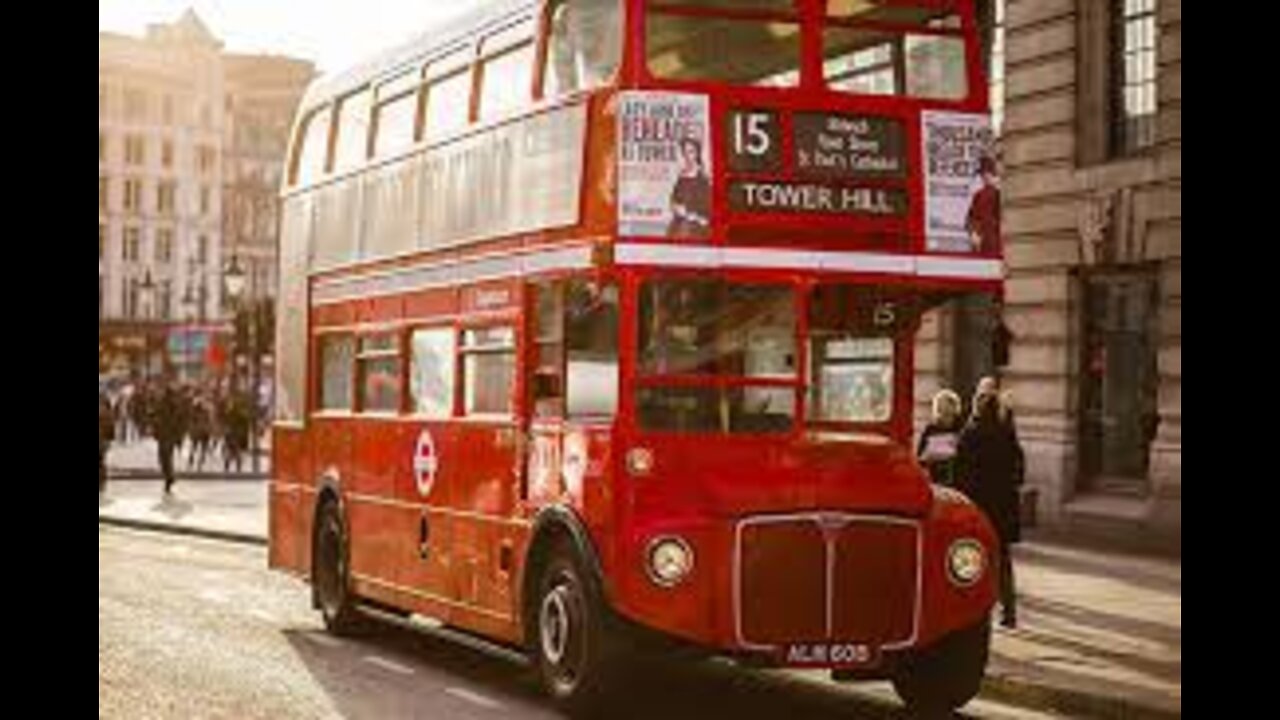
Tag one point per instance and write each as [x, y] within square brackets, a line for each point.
[168, 427]
[201, 430]
[236, 425]
[989, 471]
[941, 438]
[106, 433]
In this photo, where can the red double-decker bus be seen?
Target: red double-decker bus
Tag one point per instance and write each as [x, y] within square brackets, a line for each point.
[596, 332]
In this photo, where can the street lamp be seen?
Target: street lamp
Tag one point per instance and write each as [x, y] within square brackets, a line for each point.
[191, 302]
[146, 291]
[246, 312]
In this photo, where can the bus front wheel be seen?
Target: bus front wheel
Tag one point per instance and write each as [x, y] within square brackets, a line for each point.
[572, 643]
[947, 676]
[331, 573]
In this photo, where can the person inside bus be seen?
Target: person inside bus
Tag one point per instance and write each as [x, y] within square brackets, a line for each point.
[988, 471]
[941, 438]
[585, 45]
[691, 195]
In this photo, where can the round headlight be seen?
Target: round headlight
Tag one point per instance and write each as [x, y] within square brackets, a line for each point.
[670, 561]
[640, 462]
[966, 562]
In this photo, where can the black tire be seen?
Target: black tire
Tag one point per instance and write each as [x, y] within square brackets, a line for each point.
[574, 644]
[330, 573]
[945, 677]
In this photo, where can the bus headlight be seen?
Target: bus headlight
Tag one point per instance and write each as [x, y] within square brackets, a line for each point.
[670, 561]
[640, 462]
[966, 562]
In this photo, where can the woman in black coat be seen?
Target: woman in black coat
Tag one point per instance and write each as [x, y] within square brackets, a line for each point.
[989, 470]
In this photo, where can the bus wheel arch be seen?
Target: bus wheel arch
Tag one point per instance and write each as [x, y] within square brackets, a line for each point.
[948, 675]
[330, 564]
[569, 631]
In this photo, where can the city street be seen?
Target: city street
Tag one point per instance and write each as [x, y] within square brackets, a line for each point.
[196, 628]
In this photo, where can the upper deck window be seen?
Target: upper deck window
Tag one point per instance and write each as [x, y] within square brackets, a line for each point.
[313, 153]
[448, 95]
[756, 42]
[584, 45]
[887, 47]
[507, 71]
[351, 146]
[752, 42]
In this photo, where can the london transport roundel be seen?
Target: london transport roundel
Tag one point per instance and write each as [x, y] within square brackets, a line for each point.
[426, 463]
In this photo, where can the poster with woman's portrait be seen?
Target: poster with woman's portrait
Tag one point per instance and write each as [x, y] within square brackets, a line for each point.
[664, 166]
[962, 186]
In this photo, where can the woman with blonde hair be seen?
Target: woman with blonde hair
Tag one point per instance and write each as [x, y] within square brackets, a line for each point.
[941, 438]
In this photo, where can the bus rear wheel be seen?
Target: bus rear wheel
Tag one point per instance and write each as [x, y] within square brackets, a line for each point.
[573, 648]
[945, 677]
[331, 573]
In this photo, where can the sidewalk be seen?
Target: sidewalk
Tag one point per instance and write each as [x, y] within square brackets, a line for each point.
[1100, 634]
[139, 460]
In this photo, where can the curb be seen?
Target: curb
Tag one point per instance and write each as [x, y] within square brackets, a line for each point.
[1070, 702]
[185, 530]
[135, 475]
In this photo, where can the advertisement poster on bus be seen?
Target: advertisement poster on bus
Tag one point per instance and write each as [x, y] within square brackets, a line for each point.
[664, 166]
[962, 190]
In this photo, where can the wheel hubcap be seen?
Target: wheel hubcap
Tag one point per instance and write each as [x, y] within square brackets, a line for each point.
[556, 624]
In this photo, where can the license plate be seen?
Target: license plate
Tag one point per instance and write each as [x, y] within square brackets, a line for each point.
[831, 655]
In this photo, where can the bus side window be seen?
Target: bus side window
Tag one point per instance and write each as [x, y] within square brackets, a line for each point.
[433, 373]
[351, 145]
[591, 342]
[584, 45]
[506, 72]
[312, 153]
[337, 365]
[547, 385]
[448, 95]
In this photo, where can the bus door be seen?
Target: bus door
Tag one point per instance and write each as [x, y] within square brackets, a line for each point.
[488, 457]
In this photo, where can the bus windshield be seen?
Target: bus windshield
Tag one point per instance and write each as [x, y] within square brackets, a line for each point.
[909, 48]
[720, 357]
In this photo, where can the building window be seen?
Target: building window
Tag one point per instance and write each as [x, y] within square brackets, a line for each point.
[166, 197]
[1119, 403]
[166, 154]
[132, 196]
[135, 105]
[208, 159]
[164, 300]
[132, 247]
[164, 246]
[1133, 72]
[135, 150]
[202, 250]
[104, 194]
[206, 200]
